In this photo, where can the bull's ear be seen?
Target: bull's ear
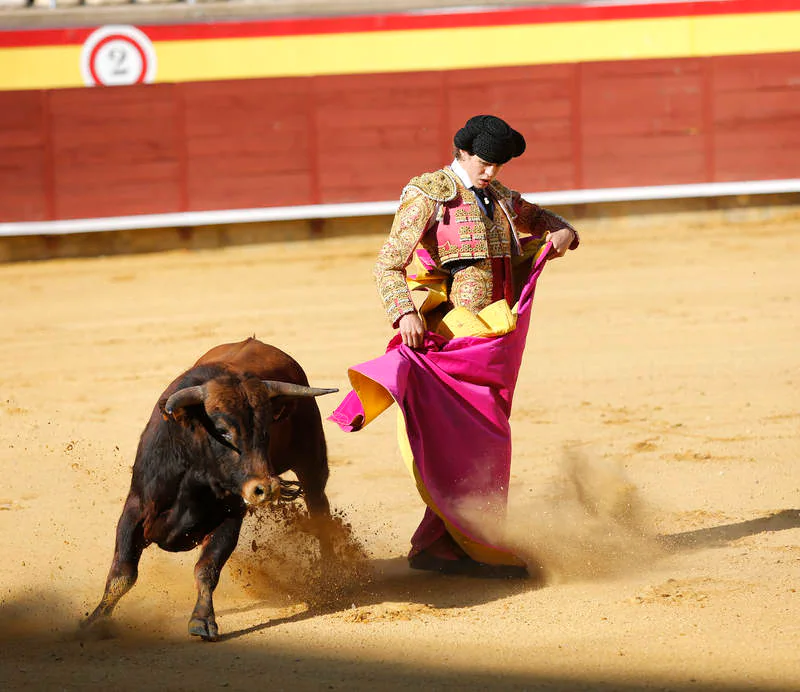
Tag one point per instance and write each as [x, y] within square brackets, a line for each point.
[278, 388]
[188, 396]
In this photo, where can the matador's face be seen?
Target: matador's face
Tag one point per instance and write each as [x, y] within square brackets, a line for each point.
[480, 172]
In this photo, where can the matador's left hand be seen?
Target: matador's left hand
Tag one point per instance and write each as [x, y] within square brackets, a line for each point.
[561, 240]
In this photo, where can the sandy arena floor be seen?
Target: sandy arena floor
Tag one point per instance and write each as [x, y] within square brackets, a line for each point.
[663, 368]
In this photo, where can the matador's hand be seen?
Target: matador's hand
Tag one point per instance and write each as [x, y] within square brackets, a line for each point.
[561, 240]
[412, 330]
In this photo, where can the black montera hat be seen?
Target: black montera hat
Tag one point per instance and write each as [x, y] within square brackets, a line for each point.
[491, 138]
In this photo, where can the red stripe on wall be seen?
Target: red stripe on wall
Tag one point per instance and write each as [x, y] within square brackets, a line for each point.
[408, 21]
[29, 38]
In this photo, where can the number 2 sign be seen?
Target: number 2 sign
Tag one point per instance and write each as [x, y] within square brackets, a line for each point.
[115, 55]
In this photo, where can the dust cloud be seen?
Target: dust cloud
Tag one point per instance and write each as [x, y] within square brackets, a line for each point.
[279, 557]
[590, 522]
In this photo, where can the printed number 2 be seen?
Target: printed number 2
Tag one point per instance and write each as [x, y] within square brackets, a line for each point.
[118, 57]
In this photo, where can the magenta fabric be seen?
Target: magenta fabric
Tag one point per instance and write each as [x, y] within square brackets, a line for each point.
[431, 535]
[456, 399]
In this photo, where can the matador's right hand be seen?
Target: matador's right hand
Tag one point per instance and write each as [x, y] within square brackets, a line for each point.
[412, 331]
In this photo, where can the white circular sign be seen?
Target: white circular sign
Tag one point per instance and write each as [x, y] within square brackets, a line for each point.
[115, 55]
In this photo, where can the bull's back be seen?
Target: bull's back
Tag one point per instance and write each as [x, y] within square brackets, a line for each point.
[253, 356]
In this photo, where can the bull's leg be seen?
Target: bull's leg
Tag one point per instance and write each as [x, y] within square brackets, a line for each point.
[128, 549]
[217, 548]
[319, 510]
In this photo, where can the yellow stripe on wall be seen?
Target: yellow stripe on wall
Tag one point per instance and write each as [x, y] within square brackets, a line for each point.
[447, 49]
[430, 49]
[408, 51]
[40, 67]
[746, 34]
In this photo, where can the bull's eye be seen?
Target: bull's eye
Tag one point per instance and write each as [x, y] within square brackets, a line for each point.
[225, 435]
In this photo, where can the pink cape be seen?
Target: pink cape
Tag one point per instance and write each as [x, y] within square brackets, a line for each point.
[456, 399]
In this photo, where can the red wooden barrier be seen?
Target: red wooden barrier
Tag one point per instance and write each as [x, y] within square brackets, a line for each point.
[76, 153]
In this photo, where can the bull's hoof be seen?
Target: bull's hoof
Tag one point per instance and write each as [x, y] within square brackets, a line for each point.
[206, 629]
[99, 615]
[97, 628]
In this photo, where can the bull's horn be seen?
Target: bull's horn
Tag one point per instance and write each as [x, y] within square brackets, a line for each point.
[278, 388]
[188, 396]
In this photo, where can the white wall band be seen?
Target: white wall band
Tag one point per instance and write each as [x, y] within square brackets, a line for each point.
[332, 211]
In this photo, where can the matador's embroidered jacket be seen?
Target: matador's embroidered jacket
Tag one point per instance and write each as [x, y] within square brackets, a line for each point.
[440, 221]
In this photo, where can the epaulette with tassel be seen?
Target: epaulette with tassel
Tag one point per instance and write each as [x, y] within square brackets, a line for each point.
[438, 186]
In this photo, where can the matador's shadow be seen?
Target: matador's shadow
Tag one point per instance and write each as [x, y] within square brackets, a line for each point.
[716, 536]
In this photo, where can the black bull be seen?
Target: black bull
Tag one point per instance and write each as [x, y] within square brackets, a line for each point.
[216, 443]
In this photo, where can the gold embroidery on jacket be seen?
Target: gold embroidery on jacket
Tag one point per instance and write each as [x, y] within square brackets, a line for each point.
[438, 186]
[410, 222]
[424, 201]
[462, 214]
[472, 287]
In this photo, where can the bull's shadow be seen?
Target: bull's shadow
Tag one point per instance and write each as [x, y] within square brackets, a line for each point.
[394, 582]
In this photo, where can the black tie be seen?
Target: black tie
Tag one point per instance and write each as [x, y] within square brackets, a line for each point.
[484, 201]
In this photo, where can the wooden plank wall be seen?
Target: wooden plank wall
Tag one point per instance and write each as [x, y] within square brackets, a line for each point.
[115, 151]
[77, 153]
[25, 185]
[756, 123]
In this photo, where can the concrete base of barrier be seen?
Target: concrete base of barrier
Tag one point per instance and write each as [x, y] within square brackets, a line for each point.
[738, 211]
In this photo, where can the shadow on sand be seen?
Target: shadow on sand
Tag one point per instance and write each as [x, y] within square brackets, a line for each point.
[716, 536]
[44, 661]
[43, 658]
[394, 582]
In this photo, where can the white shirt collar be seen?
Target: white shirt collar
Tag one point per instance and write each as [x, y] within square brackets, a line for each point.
[458, 169]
